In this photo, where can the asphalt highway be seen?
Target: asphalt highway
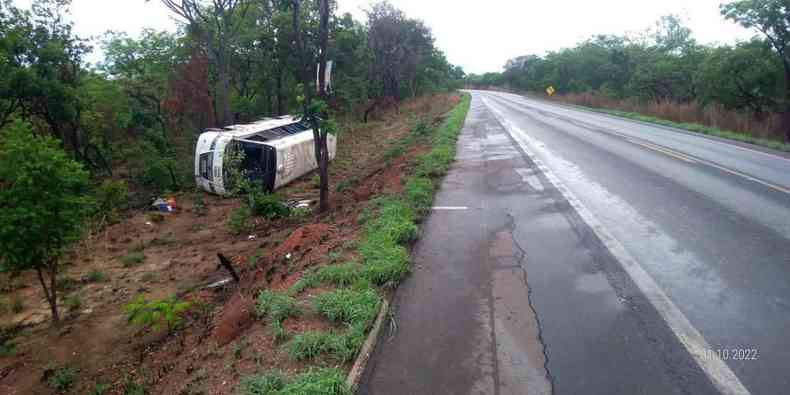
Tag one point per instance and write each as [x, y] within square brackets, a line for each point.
[591, 254]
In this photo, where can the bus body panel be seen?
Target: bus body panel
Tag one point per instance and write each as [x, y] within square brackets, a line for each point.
[274, 163]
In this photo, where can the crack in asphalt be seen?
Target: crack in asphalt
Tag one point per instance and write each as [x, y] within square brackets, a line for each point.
[521, 259]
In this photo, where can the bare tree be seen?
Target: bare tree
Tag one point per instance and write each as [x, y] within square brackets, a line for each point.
[217, 23]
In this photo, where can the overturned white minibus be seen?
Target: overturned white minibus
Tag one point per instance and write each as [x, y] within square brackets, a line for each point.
[276, 151]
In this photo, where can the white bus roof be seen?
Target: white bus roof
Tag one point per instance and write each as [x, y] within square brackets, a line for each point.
[250, 130]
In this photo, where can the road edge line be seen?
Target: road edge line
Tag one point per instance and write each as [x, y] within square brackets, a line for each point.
[721, 376]
[751, 147]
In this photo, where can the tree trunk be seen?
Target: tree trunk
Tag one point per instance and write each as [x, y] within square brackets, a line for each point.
[321, 144]
[786, 109]
[50, 292]
[223, 85]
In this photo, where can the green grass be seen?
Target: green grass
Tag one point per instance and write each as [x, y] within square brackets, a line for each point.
[240, 221]
[324, 381]
[73, 302]
[698, 128]
[340, 346]
[342, 275]
[96, 277]
[356, 308]
[7, 348]
[419, 191]
[132, 259]
[277, 307]
[353, 307]
[385, 258]
[62, 379]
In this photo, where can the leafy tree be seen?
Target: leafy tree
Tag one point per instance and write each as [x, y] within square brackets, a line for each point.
[217, 25]
[44, 200]
[746, 76]
[772, 19]
[40, 60]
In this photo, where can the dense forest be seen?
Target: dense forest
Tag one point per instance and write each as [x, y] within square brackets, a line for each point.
[136, 114]
[665, 72]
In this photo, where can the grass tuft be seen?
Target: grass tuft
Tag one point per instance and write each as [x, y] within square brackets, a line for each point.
[353, 307]
[324, 381]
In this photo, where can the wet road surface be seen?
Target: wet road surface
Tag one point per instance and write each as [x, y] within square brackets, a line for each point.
[520, 294]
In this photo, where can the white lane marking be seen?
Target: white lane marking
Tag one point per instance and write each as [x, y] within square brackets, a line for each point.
[722, 377]
[450, 208]
[706, 162]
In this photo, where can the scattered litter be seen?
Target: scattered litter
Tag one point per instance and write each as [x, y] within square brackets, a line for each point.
[294, 204]
[218, 284]
[288, 256]
[164, 206]
[149, 223]
[252, 237]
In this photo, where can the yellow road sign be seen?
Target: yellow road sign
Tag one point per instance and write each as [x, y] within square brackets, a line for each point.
[550, 91]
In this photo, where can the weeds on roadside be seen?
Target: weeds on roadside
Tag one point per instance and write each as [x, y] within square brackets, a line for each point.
[353, 307]
[419, 191]
[277, 307]
[339, 275]
[324, 381]
[156, 313]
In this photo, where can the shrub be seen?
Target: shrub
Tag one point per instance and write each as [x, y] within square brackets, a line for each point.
[153, 314]
[301, 212]
[421, 127]
[266, 205]
[240, 220]
[73, 302]
[44, 204]
[111, 197]
[62, 378]
[7, 348]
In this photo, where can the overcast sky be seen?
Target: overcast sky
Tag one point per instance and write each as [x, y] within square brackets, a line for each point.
[478, 35]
